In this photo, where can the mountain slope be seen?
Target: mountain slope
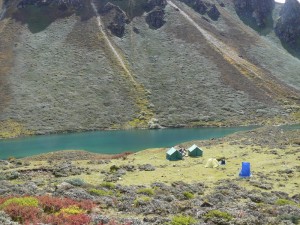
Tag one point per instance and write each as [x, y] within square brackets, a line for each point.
[133, 63]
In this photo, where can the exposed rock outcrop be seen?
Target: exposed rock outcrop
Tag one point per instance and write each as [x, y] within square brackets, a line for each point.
[62, 4]
[155, 18]
[256, 11]
[115, 19]
[156, 14]
[288, 25]
[204, 7]
[151, 4]
[213, 13]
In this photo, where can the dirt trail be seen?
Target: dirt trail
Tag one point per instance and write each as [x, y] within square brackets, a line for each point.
[272, 87]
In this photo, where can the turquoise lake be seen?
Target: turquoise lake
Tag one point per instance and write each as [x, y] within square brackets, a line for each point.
[109, 142]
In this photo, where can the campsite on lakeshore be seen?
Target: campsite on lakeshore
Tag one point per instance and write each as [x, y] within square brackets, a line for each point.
[148, 187]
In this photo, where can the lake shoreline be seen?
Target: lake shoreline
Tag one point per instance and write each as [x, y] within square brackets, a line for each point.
[110, 142]
[145, 188]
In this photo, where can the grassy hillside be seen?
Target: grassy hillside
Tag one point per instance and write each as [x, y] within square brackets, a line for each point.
[58, 71]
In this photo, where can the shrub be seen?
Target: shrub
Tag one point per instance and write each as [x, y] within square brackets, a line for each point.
[108, 185]
[183, 220]
[114, 168]
[141, 201]
[284, 202]
[76, 182]
[218, 214]
[293, 219]
[63, 219]
[22, 213]
[146, 191]
[72, 210]
[188, 195]
[100, 192]
[21, 201]
[55, 204]
[47, 209]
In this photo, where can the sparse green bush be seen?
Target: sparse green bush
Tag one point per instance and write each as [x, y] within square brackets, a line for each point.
[114, 168]
[100, 192]
[72, 210]
[293, 219]
[146, 191]
[188, 195]
[76, 182]
[141, 201]
[183, 220]
[282, 201]
[218, 214]
[108, 185]
[21, 201]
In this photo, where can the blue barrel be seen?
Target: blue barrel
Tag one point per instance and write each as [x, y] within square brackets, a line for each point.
[245, 171]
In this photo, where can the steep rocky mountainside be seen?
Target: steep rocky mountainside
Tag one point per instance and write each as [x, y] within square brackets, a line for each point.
[288, 26]
[69, 65]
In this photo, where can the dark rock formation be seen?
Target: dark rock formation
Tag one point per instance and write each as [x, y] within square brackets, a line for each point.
[151, 4]
[204, 7]
[213, 13]
[115, 18]
[156, 13]
[200, 7]
[155, 18]
[288, 25]
[62, 4]
[256, 11]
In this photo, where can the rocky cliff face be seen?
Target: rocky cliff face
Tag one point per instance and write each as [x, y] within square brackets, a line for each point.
[62, 4]
[257, 11]
[115, 19]
[288, 25]
[204, 7]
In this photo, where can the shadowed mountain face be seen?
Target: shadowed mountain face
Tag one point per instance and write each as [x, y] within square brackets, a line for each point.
[288, 26]
[86, 65]
[256, 11]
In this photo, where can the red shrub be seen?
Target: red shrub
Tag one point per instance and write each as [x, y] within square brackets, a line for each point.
[23, 214]
[63, 219]
[2, 200]
[86, 205]
[54, 204]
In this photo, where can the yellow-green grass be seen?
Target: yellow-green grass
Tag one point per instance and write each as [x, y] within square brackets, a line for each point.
[192, 170]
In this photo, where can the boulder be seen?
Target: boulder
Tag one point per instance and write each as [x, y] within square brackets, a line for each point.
[146, 167]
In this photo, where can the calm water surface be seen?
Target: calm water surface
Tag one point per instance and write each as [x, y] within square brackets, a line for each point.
[110, 142]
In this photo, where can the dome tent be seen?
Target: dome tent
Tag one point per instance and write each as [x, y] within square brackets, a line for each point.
[212, 163]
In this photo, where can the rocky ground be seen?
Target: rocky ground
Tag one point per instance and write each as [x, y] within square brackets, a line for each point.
[145, 188]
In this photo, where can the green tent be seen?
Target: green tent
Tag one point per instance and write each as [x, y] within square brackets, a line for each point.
[195, 151]
[173, 154]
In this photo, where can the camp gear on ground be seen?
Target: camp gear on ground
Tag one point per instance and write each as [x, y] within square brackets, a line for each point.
[212, 163]
[245, 171]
